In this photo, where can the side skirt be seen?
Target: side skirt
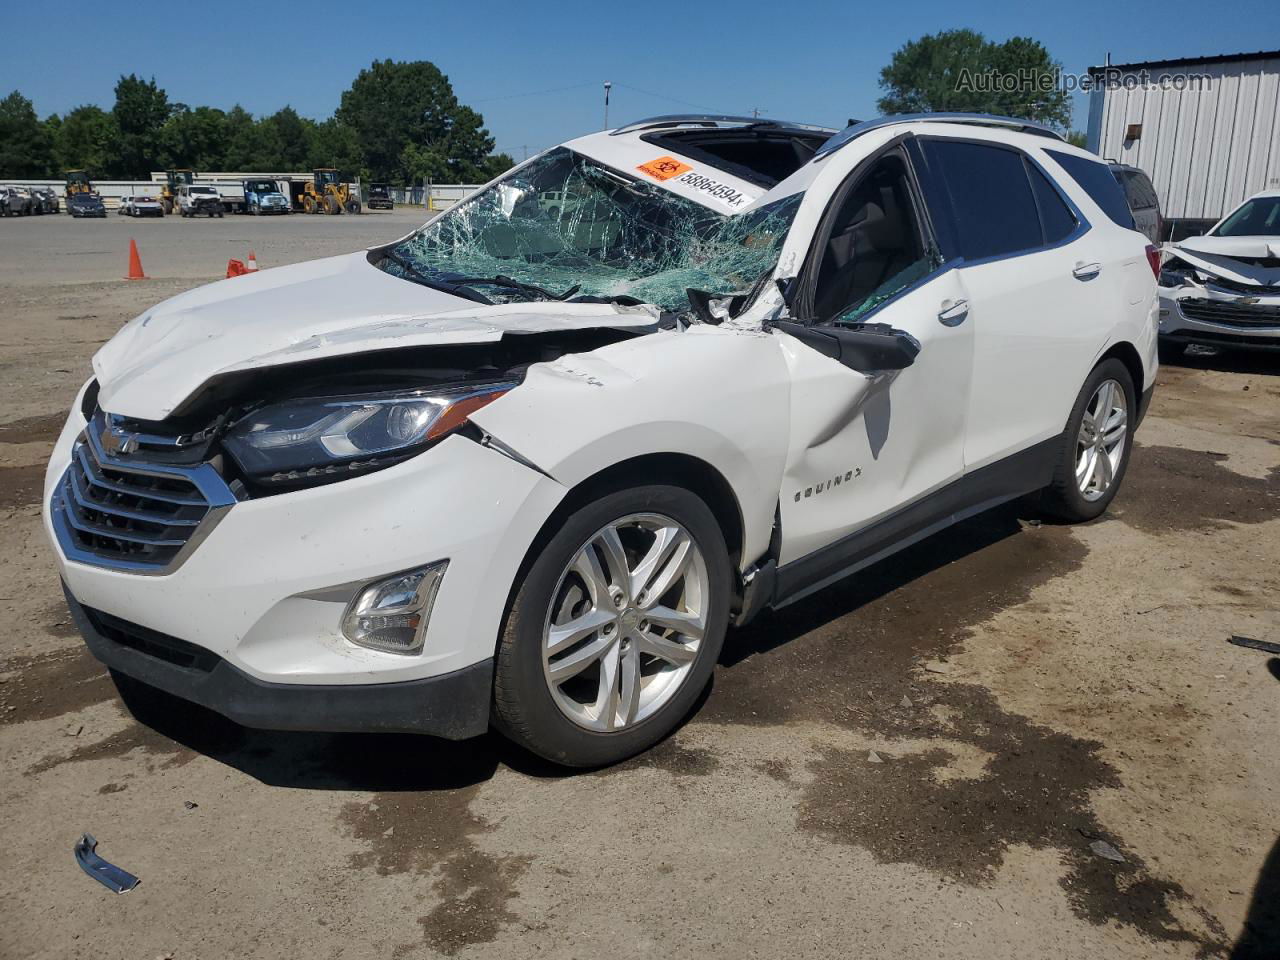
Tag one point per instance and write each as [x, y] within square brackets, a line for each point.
[997, 483]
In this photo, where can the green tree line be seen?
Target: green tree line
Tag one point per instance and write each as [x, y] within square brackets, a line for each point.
[398, 122]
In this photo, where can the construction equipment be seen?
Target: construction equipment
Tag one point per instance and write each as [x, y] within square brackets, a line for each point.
[174, 179]
[327, 193]
[78, 182]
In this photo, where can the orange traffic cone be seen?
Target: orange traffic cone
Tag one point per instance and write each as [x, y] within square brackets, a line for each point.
[135, 263]
[236, 268]
[253, 262]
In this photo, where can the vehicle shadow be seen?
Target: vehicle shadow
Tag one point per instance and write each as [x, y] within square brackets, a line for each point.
[405, 762]
[1266, 362]
[1260, 938]
[777, 628]
[380, 762]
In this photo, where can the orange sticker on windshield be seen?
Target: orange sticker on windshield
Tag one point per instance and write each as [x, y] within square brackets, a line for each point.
[664, 168]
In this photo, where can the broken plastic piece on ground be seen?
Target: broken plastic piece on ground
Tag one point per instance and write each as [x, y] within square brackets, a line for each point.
[1106, 851]
[107, 874]
[236, 268]
[1253, 644]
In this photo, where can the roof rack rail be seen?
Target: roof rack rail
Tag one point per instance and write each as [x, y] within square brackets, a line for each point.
[973, 119]
[712, 120]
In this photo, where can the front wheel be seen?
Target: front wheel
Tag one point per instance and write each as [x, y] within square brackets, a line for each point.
[615, 629]
[1095, 445]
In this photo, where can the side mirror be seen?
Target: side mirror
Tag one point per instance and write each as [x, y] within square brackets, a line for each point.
[866, 347]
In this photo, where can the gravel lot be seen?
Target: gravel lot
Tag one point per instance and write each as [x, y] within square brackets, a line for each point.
[915, 763]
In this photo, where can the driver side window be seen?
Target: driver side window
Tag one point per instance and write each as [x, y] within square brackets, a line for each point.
[873, 248]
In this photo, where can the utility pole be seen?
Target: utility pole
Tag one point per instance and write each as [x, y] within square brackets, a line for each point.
[755, 112]
[607, 87]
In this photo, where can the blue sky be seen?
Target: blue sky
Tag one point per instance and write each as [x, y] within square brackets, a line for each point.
[536, 70]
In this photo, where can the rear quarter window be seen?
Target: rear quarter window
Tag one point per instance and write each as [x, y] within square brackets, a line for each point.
[1056, 216]
[1096, 179]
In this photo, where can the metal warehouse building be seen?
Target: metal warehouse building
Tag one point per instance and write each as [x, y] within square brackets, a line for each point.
[1205, 129]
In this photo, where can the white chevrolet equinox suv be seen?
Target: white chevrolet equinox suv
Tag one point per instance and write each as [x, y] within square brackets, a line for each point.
[524, 466]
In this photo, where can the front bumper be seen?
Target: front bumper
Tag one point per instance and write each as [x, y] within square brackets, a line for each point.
[266, 589]
[454, 706]
[1231, 324]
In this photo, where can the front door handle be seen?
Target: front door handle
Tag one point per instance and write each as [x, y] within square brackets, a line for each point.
[953, 312]
[1086, 271]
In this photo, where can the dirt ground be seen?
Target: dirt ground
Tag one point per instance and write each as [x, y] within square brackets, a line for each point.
[915, 763]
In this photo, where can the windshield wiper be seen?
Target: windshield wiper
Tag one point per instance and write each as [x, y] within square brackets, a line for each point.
[457, 289]
[513, 284]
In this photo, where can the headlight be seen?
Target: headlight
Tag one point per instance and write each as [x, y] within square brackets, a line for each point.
[329, 438]
[1173, 278]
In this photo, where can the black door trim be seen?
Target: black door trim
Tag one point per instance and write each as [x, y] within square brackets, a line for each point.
[1018, 474]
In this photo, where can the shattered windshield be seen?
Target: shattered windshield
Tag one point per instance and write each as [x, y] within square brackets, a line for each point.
[567, 227]
[1258, 217]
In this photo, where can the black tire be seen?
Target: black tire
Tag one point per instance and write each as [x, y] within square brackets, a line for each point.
[523, 707]
[1062, 498]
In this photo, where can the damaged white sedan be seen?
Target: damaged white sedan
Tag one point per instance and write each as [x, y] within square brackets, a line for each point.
[1223, 289]
[525, 466]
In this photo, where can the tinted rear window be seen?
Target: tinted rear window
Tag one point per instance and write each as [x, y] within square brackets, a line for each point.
[991, 199]
[1142, 195]
[1095, 179]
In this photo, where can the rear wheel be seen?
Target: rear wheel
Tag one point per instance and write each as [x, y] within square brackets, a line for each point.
[1095, 445]
[615, 629]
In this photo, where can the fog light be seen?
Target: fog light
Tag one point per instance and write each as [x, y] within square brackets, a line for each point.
[392, 614]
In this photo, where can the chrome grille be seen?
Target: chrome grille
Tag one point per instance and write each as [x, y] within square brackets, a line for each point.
[1231, 312]
[131, 514]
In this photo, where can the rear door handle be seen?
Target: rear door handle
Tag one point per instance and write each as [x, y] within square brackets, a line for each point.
[953, 312]
[1086, 271]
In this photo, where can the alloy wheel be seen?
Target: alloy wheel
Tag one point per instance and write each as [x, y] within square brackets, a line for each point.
[626, 621]
[1100, 444]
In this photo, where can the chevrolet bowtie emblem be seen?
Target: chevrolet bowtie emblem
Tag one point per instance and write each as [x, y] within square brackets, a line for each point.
[1246, 299]
[119, 443]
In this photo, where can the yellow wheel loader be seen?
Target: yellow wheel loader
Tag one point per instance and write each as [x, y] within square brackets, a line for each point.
[78, 182]
[169, 192]
[327, 193]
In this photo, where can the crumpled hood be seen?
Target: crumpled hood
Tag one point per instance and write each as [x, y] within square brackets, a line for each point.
[1220, 255]
[308, 311]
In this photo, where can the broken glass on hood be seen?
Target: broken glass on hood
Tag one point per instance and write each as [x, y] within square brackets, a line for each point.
[567, 227]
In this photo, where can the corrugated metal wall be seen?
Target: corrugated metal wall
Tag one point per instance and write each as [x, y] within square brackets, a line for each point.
[1205, 149]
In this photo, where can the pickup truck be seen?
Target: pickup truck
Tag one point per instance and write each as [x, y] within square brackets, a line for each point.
[195, 199]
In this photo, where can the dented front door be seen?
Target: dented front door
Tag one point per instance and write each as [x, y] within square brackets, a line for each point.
[864, 445]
